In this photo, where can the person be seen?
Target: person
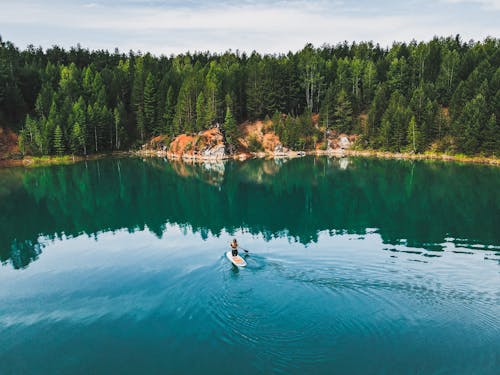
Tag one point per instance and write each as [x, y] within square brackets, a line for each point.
[234, 247]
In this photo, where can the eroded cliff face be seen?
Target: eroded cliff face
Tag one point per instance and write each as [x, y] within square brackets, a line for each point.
[206, 144]
[256, 139]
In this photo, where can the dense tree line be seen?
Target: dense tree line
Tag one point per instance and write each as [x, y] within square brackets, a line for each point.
[442, 95]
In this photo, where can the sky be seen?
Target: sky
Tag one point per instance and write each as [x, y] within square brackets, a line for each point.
[271, 26]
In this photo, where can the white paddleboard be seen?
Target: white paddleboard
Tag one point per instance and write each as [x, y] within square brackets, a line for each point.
[237, 260]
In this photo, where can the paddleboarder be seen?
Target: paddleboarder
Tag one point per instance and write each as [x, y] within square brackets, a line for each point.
[234, 247]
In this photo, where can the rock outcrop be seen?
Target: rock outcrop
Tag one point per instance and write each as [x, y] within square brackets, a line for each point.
[208, 144]
[257, 139]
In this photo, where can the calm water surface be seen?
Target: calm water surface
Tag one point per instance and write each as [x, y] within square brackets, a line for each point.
[355, 266]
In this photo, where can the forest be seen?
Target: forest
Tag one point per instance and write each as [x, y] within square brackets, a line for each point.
[442, 96]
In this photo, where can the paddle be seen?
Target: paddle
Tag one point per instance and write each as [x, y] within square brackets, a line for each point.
[245, 250]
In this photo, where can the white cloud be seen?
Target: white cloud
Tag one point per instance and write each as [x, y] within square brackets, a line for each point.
[488, 4]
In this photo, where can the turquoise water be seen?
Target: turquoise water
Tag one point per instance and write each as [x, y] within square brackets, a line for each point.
[355, 266]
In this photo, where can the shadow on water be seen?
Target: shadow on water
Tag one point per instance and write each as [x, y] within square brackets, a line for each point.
[424, 205]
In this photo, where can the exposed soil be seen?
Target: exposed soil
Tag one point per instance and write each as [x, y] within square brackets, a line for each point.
[8, 144]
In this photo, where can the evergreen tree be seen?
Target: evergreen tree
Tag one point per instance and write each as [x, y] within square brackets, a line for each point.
[231, 130]
[448, 75]
[44, 100]
[119, 115]
[169, 112]
[343, 113]
[77, 139]
[149, 104]
[375, 113]
[200, 112]
[369, 81]
[255, 89]
[415, 141]
[327, 114]
[395, 123]
[184, 120]
[58, 141]
[79, 135]
[212, 88]
[138, 98]
[490, 136]
[398, 75]
[470, 125]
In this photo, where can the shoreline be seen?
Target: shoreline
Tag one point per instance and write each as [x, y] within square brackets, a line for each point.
[425, 156]
[42, 161]
[32, 162]
[332, 153]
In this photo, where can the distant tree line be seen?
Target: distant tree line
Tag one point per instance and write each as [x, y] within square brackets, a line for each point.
[442, 95]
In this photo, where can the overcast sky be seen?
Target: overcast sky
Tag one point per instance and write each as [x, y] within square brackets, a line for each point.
[272, 26]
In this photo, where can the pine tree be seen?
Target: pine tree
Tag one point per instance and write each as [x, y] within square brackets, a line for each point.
[343, 113]
[149, 104]
[58, 141]
[491, 137]
[398, 75]
[161, 96]
[414, 136]
[49, 126]
[470, 125]
[375, 113]
[108, 126]
[94, 120]
[169, 112]
[79, 116]
[44, 100]
[395, 123]
[184, 120]
[212, 90]
[231, 130]
[98, 90]
[369, 81]
[77, 139]
[326, 114]
[200, 112]
[137, 98]
[119, 122]
[255, 89]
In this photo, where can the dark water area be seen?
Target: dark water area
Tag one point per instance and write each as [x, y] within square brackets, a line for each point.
[355, 265]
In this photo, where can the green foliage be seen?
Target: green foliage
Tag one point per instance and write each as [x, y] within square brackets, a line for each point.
[150, 101]
[200, 112]
[395, 123]
[119, 115]
[470, 125]
[327, 112]
[415, 140]
[254, 145]
[168, 114]
[491, 143]
[343, 113]
[231, 130]
[103, 102]
[58, 141]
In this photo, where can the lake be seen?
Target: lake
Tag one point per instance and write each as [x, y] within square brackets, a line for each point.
[355, 266]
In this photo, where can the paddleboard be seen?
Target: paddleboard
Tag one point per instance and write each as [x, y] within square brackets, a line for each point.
[237, 260]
